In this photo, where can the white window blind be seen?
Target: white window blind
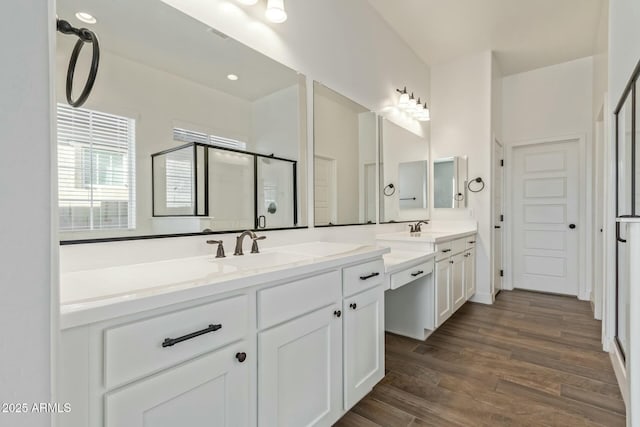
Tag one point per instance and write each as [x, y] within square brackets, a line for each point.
[185, 135]
[96, 170]
[179, 170]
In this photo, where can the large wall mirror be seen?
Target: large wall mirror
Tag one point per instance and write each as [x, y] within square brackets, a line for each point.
[344, 160]
[450, 183]
[186, 130]
[404, 174]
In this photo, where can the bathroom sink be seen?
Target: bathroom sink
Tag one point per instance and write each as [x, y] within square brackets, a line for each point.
[262, 260]
[320, 249]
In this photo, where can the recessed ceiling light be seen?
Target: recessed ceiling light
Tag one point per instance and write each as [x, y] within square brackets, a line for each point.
[248, 2]
[232, 77]
[87, 18]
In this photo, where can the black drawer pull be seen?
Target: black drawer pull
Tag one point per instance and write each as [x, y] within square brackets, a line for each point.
[369, 276]
[168, 342]
[472, 242]
[241, 357]
[446, 250]
[417, 273]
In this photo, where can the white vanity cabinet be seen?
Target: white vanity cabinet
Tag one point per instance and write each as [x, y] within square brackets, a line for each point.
[212, 390]
[290, 352]
[363, 344]
[455, 276]
[300, 359]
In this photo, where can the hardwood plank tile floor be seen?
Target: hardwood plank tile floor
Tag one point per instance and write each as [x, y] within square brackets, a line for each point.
[528, 360]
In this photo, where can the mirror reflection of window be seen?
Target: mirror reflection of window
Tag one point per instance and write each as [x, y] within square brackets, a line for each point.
[96, 170]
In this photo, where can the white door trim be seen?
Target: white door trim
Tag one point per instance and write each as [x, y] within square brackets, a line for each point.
[495, 170]
[585, 277]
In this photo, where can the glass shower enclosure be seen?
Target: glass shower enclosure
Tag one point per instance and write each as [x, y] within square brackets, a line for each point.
[236, 190]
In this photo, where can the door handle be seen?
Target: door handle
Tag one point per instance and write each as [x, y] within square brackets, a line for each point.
[572, 226]
[618, 238]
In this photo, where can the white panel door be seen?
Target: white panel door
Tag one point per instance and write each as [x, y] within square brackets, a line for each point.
[443, 291]
[546, 232]
[363, 344]
[325, 208]
[300, 375]
[211, 391]
[498, 219]
[457, 281]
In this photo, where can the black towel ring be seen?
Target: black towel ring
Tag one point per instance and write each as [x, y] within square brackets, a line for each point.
[478, 180]
[84, 36]
[387, 188]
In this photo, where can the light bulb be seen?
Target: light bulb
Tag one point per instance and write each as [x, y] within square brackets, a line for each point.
[417, 112]
[425, 116]
[412, 104]
[275, 11]
[248, 2]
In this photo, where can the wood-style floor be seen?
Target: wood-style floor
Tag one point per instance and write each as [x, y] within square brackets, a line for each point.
[528, 360]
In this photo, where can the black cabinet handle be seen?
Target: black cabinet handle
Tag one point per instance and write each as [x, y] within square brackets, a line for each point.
[337, 313]
[369, 276]
[572, 226]
[472, 242]
[417, 273]
[241, 357]
[168, 342]
[446, 250]
[496, 226]
[451, 262]
[353, 305]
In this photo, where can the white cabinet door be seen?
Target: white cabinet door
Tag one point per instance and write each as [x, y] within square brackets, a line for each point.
[470, 273]
[212, 390]
[363, 344]
[300, 374]
[457, 280]
[443, 291]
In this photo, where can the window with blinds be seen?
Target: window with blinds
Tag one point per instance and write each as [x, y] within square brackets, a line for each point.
[185, 135]
[96, 170]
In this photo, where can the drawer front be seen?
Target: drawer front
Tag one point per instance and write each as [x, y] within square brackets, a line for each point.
[401, 278]
[458, 245]
[443, 250]
[134, 350]
[363, 276]
[284, 302]
[470, 241]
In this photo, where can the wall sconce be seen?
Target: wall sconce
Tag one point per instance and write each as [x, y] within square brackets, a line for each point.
[275, 11]
[413, 107]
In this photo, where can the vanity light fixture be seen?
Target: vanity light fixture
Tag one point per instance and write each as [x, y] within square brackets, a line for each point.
[411, 107]
[232, 77]
[85, 17]
[275, 11]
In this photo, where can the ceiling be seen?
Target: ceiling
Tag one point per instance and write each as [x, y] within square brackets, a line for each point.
[155, 34]
[524, 34]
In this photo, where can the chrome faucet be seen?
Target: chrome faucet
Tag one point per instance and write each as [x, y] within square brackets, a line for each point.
[220, 252]
[254, 246]
[417, 227]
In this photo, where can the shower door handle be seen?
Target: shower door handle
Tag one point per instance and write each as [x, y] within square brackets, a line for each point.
[618, 238]
[262, 221]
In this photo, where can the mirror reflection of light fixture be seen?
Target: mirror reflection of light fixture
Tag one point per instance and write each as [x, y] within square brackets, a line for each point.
[275, 11]
[425, 116]
[413, 104]
[417, 112]
[248, 2]
[412, 108]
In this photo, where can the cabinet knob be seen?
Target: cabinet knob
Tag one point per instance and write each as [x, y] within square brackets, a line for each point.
[353, 305]
[337, 313]
[451, 262]
[241, 357]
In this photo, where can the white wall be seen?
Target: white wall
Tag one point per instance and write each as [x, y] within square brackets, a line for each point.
[461, 126]
[548, 102]
[28, 258]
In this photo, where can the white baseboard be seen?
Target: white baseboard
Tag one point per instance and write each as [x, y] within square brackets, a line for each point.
[620, 371]
[482, 298]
